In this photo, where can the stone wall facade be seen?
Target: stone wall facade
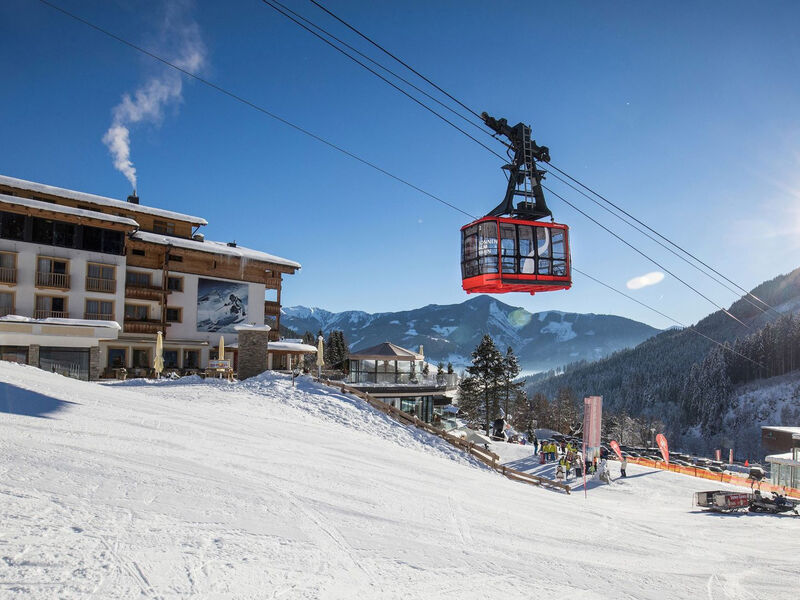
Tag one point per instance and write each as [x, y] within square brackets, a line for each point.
[252, 353]
[33, 355]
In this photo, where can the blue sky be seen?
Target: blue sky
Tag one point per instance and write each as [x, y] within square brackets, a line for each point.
[684, 113]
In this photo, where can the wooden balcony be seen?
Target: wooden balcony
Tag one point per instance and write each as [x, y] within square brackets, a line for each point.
[8, 275]
[50, 314]
[59, 281]
[148, 326]
[274, 336]
[142, 292]
[96, 284]
[273, 283]
[98, 316]
[271, 309]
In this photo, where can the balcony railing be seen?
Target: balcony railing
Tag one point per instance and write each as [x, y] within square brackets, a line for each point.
[144, 292]
[52, 280]
[6, 310]
[446, 380]
[271, 309]
[8, 275]
[97, 284]
[41, 313]
[148, 326]
[98, 316]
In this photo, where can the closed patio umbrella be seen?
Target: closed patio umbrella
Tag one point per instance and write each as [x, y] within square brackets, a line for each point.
[221, 355]
[320, 357]
[158, 360]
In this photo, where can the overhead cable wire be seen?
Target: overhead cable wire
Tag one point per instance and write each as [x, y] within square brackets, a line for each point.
[302, 130]
[652, 260]
[254, 106]
[374, 72]
[456, 100]
[657, 241]
[666, 239]
[385, 51]
[383, 67]
[686, 327]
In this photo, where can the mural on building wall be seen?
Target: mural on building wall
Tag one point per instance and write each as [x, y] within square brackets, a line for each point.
[221, 305]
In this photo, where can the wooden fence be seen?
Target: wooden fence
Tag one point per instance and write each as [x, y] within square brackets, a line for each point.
[487, 457]
[711, 476]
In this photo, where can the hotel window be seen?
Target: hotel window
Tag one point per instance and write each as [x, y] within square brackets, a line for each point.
[100, 278]
[102, 240]
[165, 227]
[137, 252]
[191, 359]
[12, 226]
[52, 272]
[137, 279]
[174, 258]
[117, 358]
[6, 303]
[102, 310]
[50, 306]
[136, 312]
[174, 315]
[141, 358]
[170, 359]
[8, 267]
[175, 284]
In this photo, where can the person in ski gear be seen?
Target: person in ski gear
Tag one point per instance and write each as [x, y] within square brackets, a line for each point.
[623, 465]
[560, 473]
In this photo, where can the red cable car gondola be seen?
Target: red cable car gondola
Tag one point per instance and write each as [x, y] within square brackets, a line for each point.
[517, 252]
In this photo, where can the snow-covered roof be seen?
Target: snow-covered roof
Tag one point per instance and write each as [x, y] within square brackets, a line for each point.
[781, 428]
[291, 347]
[252, 327]
[782, 459]
[99, 200]
[55, 321]
[66, 210]
[213, 248]
[385, 351]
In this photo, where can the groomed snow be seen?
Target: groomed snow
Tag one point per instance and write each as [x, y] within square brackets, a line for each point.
[209, 489]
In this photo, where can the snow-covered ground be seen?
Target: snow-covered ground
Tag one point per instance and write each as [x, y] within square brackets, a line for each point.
[260, 490]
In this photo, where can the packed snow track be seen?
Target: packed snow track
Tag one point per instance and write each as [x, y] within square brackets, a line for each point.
[209, 489]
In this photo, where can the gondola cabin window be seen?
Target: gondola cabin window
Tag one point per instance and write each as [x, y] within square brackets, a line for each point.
[502, 255]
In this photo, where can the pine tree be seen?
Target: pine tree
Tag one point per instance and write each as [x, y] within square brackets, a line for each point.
[450, 368]
[440, 373]
[425, 370]
[510, 373]
[487, 369]
[470, 401]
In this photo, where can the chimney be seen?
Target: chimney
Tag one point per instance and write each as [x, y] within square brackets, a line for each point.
[232, 244]
[198, 237]
[133, 198]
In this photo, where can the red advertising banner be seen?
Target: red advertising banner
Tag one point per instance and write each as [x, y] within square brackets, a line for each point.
[592, 420]
[718, 454]
[615, 447]
[662, 445]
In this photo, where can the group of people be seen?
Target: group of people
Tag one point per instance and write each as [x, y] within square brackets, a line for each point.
[570, 459]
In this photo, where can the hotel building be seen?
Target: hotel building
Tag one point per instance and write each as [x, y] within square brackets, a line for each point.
[86, 282]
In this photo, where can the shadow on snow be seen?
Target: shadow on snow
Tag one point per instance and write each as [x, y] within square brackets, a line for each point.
[19, 401]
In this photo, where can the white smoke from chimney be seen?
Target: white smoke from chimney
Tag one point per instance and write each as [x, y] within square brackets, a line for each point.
[146, 104]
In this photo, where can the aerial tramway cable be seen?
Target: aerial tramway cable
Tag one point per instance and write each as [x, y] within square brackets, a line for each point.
[747, 293]
[384, 79]
[264, 111]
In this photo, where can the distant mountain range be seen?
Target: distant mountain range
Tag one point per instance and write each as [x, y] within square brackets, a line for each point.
[449, 333]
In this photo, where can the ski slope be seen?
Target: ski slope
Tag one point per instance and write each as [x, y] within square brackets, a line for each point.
[261, 490]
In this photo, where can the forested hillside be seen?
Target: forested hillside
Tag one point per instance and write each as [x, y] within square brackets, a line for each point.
[684, 380]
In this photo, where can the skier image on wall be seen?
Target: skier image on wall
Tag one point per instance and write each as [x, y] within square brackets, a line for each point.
[220, 305]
